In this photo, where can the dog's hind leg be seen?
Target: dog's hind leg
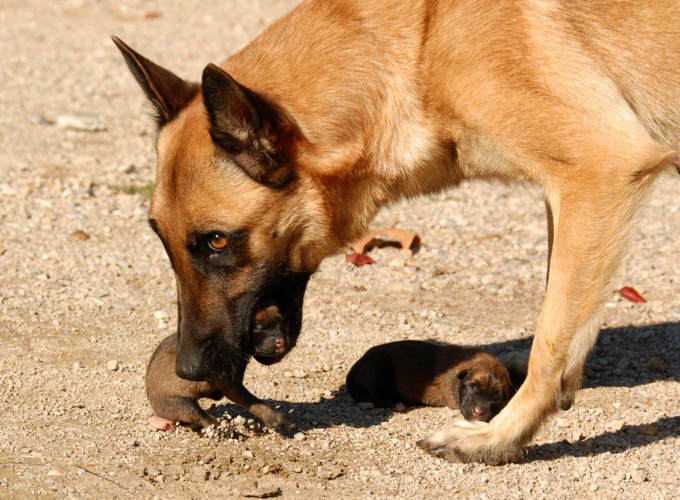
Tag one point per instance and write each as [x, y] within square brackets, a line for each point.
[592, 215]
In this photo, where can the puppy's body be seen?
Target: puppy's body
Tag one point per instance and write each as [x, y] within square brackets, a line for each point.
[175, 399]
[293, 144]
[418, 372]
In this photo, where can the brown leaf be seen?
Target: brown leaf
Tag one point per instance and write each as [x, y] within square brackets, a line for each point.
[631, 294]
[149, 14]
[408, 240]
[359, 259]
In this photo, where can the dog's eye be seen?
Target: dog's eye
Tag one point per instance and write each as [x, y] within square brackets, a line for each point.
[217, 242]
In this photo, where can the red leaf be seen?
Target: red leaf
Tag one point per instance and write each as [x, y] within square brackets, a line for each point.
[631, 294]
[359, 259]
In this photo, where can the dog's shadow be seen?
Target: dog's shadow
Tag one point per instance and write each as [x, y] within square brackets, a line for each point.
[629, 437]
[622, 357]
[628, 356]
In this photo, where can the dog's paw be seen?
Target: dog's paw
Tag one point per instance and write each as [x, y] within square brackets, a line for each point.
[465, 441]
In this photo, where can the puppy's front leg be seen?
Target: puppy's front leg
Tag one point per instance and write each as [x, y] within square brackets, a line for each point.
[243, 397]
[592, 215]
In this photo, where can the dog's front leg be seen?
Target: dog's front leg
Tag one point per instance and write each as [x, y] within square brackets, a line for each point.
[590, 220]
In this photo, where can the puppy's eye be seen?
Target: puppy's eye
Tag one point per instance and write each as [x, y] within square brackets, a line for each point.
[217, 242]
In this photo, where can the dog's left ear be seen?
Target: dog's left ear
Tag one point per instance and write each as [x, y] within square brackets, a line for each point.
[257, 136]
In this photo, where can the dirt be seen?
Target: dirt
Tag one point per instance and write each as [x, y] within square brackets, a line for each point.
[86, 294]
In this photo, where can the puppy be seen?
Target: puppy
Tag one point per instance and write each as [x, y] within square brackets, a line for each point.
[174, 399]
[416, 372]
[271, 341]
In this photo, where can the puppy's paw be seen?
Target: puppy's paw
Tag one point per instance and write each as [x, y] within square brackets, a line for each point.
[161, 424]
[274, 420]
[465, 441]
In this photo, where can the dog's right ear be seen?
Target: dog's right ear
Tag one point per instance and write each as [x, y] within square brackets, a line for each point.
[168, 93]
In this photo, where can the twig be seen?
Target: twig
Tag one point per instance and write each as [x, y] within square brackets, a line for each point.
[101, 476]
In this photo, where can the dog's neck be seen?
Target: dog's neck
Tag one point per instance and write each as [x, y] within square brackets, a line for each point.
[362, 116]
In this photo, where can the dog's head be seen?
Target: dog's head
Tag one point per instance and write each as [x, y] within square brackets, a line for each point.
[238, 219]
[483, 390]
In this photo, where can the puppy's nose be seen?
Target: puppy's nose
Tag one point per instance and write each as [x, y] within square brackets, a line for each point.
[477, 413]
[279, 345]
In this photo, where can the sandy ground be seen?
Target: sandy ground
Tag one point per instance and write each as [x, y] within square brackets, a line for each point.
[86, 293]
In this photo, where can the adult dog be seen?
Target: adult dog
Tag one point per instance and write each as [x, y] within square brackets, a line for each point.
[284, 153]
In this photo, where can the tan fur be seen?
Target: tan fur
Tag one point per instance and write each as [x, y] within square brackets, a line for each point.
[395, 98]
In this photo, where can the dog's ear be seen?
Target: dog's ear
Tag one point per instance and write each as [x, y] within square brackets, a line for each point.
[168, 93]
[257, 136]
[462, 375]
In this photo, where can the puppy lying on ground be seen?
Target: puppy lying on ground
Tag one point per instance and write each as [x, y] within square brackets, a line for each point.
[417, 372]
[174, 399]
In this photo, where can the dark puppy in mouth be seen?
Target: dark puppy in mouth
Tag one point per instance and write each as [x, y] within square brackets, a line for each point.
[271, 340]
[424, 373]
[174, 399]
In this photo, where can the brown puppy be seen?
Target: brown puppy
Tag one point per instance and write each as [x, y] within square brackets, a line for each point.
[284, 153]
[174, 399]
[417, 372]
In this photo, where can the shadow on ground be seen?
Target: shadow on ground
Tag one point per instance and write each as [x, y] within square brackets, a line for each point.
[628, 356]
[631, 436]
[623, 357]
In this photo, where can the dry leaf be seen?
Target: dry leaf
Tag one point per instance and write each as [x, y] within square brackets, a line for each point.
[631, 294]
[359, 259]
[408, 240]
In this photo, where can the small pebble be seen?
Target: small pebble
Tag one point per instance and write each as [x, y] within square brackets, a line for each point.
[615, 425]
[299, 436]
[79, 235]
[647, 430]
[638, 476]
[112, 365]
[85, 122]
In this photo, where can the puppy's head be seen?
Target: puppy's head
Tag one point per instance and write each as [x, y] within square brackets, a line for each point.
[483, 390]
[271, 341]
[242, 224]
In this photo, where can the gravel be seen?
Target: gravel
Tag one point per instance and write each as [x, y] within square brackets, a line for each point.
[86, 293]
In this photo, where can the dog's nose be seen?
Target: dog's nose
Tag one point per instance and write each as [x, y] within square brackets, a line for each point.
[190, 366]
[193, 372]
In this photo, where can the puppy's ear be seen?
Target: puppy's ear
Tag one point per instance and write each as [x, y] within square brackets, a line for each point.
[257, 136]
[463, 375]
[167, 92]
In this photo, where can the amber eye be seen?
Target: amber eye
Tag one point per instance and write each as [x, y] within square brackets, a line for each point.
[217, 241]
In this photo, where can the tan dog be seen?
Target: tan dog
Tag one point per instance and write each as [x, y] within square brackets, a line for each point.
[284, 153]
[175, 400]
[416, 372]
